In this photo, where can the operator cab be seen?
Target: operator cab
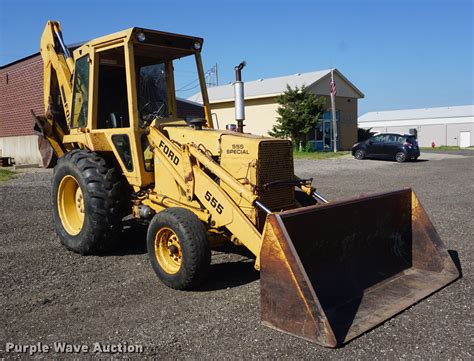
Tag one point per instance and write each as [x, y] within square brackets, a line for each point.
[156, 66]
[128, 81]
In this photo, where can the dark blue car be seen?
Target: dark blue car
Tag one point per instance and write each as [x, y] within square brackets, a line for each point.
[390, 146]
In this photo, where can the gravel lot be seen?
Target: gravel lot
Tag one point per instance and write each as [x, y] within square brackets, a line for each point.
[50, 295]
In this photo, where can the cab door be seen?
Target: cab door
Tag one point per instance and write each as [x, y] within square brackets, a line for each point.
[114, 121]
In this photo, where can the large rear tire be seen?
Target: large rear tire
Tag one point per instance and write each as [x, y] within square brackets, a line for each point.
[88, 202]
[178, 248]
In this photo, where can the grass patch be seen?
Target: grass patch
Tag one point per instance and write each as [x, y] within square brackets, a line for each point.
[318, 155]
[446, 147]
[6, 174]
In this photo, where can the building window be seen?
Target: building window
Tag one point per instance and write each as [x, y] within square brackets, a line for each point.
[322, 134]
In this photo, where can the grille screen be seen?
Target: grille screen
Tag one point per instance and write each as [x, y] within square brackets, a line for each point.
[275, 163]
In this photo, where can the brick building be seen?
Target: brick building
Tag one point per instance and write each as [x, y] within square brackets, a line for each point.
[21, 90]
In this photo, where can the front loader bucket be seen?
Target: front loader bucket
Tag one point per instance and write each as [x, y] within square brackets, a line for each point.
[331, 272]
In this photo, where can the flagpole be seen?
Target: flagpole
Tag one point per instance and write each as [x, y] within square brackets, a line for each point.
[333, 111]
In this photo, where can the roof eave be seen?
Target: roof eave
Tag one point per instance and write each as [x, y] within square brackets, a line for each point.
[261, 96]
[350, 84]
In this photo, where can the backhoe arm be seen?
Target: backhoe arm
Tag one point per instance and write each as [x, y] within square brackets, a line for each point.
[56, 58]
[58, 69]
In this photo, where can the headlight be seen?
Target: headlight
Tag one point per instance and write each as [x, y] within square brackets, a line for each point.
[197, 45]
[141, 37]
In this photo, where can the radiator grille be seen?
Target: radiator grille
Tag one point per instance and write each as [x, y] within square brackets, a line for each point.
[275, 162]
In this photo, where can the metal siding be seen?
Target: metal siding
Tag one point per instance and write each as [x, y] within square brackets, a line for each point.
[431, 133]
[453, 131]
[415, 115]
[399, 130]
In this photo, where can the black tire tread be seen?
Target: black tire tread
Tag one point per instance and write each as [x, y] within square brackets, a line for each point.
[106, 190]
[196, 250]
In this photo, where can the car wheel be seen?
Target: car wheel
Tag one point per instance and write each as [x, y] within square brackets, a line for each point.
[359, 154]
[400, 157]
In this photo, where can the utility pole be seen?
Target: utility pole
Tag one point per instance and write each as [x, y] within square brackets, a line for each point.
[212, 77]
[333, 111]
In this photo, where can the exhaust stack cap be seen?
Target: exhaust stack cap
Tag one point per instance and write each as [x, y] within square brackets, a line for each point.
[239, 97]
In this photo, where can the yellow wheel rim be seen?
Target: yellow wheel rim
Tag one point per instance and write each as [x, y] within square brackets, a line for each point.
[168, 250]
[71, 205]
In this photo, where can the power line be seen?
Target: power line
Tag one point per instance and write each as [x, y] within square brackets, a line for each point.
[211, 78]
[184, 90]
[188, 84]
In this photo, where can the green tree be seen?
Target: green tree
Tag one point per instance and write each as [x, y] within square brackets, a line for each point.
[364, 134]
[298, 112]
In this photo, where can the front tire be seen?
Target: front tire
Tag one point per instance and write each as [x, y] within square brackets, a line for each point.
[88, 202]
[178, 248]
[400, 157]
[359, 154]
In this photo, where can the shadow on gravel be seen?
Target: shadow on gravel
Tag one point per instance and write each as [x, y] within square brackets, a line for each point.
[132, 240]
[228, 275]
[455, 257]
[395, 162]
[221, 275]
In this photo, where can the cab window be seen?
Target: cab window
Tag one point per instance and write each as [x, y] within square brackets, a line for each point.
[122, 144]
[112, 102]
[80, 95]
[152, 90]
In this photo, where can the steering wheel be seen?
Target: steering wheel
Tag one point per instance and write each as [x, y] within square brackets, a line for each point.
[156, 109]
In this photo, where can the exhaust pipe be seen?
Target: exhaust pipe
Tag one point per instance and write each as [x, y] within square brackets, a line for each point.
[239, 97]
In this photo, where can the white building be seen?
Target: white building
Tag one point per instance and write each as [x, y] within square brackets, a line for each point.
[452, 126]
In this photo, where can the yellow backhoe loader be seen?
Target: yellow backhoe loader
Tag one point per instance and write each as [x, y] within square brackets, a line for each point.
[112, 122]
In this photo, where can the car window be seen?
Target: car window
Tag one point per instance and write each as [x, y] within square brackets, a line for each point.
[378, 138]
[391, 138]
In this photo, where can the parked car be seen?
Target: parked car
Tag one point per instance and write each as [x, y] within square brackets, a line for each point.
[393, 146]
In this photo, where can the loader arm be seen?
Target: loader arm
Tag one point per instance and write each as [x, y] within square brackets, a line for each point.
[187, 165]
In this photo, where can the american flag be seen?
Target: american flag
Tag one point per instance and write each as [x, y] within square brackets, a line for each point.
[332, 85]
